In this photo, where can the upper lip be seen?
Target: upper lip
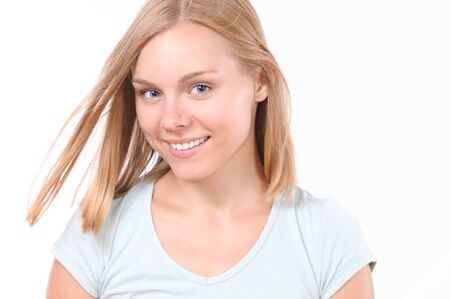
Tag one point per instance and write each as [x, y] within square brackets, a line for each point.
[184, 140]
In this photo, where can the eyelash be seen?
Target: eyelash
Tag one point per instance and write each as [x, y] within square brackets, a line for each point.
[198, 84]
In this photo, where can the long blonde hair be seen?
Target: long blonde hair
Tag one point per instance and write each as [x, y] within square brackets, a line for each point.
[124, 154]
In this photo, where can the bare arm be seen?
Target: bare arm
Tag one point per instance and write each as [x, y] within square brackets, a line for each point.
[360, 286]
[61, 284]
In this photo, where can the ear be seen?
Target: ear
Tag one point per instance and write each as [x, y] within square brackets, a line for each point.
[260, 86]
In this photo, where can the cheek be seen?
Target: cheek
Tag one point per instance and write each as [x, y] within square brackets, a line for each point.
[147, 120]
[231, 114]
[238, 110]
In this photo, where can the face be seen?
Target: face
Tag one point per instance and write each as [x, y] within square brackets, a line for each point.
[195, 103]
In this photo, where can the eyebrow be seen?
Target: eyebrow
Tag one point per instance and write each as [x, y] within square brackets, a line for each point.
[182, 79]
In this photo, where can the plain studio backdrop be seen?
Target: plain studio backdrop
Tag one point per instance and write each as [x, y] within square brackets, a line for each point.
[370, 120]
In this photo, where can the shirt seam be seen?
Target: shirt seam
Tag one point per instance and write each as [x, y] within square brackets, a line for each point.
[304, 244]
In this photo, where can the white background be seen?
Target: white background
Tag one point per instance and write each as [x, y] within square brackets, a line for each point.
[371, 120]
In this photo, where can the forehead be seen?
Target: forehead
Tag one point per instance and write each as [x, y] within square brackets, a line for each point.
[185, 47]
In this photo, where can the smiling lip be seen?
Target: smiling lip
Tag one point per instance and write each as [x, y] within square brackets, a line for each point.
[185, 153]
[183, 140]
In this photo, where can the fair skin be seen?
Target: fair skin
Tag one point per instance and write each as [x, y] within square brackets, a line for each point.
[218, 193]
[220, 104]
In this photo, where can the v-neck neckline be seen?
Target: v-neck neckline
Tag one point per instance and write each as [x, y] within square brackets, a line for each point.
[148, 193]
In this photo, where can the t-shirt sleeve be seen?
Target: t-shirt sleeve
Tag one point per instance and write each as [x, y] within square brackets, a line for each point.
[341, 248]
[81, 254]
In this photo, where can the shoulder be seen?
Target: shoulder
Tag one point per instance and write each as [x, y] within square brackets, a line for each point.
[321, 215]
[121, 207]
[324, 221]
[333, 238]
[311, 211]
[85, 255]
[126, 205]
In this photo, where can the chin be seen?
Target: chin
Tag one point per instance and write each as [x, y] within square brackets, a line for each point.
[189, 174]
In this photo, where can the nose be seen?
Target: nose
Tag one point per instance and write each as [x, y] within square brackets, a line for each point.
[174, 116]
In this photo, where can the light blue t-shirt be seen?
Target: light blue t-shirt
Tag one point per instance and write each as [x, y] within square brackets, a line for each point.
[308, 249]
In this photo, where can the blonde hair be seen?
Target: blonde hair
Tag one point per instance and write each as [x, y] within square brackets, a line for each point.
[124, 154]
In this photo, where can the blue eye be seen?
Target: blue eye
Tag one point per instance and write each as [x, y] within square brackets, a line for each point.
[201, 88]
[197, 89]
[151, 93]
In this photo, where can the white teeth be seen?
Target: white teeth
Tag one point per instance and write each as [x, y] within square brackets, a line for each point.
[188, 145]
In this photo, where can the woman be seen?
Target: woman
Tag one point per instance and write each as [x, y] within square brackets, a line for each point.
[195, 191]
